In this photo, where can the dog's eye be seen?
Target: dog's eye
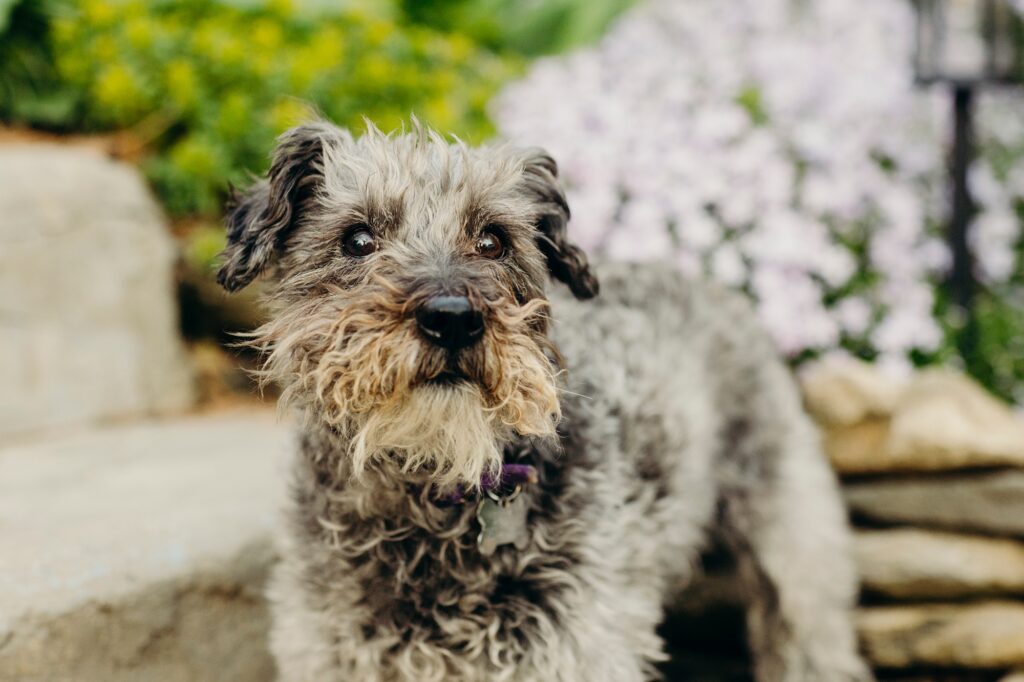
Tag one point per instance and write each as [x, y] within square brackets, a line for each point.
[490, 243]
[359, 242]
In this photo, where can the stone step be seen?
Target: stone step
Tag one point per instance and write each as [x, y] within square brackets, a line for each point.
[987, 635]
[939, 420]
[914, 564]
[990, 502]
[139, 552]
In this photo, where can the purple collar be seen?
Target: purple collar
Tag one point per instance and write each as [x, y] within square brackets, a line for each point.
[509, 477]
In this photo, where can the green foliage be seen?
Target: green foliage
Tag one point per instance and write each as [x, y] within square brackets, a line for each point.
[997, 335]
[203, 245]
[6, 10]
[207, 86]
[528, 27]
[991, 347]
[29, 90]
[751, 100]
[999, 315]
[999, 359]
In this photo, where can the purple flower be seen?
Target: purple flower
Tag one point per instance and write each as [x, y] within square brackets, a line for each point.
[774, 146]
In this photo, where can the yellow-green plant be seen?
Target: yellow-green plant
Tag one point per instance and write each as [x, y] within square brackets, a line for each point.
[206, 86]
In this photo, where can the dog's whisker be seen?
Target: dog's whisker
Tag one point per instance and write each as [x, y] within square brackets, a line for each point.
[565, 391]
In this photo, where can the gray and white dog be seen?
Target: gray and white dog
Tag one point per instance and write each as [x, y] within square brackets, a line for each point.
[498, 480]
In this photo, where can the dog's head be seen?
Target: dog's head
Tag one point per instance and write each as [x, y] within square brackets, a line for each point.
[409, 280]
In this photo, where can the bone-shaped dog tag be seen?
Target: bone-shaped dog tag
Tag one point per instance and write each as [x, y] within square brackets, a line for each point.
[502, 522]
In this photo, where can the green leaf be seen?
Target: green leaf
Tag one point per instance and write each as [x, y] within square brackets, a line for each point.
[54, 109]
[6, 10]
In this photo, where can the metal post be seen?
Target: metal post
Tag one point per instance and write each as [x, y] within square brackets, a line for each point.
[961, 280]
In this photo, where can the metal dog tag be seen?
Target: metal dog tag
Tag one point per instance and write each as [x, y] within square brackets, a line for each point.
[502, 522]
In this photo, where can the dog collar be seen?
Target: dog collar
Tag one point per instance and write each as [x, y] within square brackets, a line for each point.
[509, 478]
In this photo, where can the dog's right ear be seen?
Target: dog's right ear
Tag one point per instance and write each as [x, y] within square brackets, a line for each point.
[260, 219]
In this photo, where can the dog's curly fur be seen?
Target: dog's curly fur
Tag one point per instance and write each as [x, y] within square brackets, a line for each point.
[656, 414]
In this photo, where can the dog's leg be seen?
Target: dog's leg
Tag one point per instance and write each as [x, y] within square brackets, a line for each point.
[783, 519]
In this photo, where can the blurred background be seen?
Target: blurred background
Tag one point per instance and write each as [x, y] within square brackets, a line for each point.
[856, 167]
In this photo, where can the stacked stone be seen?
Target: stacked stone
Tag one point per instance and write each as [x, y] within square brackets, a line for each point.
[933, 473]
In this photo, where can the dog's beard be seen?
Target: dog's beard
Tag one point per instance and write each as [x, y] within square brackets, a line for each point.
[444, 430]
[360, 367]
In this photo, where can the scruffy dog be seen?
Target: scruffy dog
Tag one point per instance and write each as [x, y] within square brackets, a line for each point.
[498, 480]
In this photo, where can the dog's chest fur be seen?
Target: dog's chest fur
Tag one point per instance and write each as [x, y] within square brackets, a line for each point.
[416, 562]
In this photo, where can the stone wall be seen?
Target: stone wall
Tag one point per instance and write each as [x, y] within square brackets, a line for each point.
[933, 473]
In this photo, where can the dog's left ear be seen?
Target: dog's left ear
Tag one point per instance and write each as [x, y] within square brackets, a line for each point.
[566, 261]
[260, 219]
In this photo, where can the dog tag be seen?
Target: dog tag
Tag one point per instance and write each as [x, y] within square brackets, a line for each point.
[502, 522]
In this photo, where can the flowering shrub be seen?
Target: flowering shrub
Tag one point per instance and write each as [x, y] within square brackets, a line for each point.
[209, 85]
[781, 147]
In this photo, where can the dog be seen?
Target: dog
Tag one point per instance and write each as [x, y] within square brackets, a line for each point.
[503, 474]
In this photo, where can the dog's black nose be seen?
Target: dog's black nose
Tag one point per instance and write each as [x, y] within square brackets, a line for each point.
[450, 322]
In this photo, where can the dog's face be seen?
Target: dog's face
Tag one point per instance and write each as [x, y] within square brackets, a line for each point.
[409, 278]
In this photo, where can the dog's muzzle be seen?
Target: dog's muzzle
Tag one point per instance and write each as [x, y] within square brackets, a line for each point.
[450, 322]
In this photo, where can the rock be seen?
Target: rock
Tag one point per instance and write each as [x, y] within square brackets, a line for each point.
[859, 448]
[88, 313]
[984, 635]
[942, 421]
[947, 421]
[139, 553]
[844, 391]
[918, 564]
[990, 502]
